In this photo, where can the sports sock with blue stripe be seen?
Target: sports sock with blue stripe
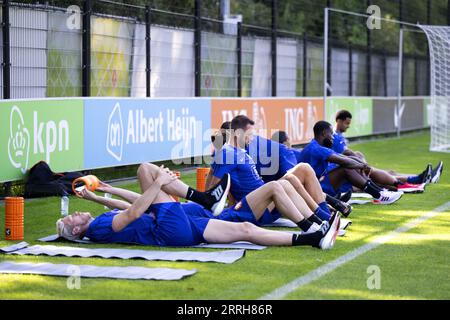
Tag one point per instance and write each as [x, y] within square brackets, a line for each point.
[323, 212]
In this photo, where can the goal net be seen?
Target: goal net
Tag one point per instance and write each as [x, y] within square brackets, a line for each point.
[439, 44]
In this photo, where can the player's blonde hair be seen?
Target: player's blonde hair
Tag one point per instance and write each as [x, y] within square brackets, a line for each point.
[65, 230]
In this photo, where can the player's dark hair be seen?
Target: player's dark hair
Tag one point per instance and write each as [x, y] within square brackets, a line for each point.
[280, 136]
[320, 127]
[343, 115]
[224, 132]
[241, 122]
[226, 125]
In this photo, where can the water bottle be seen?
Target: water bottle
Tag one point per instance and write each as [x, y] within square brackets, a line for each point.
[108, 196]
[64, 205]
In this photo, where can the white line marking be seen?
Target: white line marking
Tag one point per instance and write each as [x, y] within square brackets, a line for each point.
[331, 266]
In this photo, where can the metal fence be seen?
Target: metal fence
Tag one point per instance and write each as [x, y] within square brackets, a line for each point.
[56, 52]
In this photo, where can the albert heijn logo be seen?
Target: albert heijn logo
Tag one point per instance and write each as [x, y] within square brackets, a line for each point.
[115, 135]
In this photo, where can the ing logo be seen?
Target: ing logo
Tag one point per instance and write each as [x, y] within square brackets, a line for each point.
[115, 135]
[259, 117]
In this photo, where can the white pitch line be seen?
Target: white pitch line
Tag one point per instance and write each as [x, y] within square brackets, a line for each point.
[331, 266]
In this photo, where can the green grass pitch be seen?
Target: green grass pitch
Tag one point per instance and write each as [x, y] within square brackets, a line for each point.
[414, 265]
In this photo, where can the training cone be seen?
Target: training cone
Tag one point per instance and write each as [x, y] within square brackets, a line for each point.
[14, 207]
[202, 173]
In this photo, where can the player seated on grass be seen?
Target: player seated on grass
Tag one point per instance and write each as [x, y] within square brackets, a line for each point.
[233, 158]
[340, 199]
[382, 177]
[285, 158]
[263, 152]
[153, 218]
[221, 137]
[282, 138]
[274, 161]
[319, 155]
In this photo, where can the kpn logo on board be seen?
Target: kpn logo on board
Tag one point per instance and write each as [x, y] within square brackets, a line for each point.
[36, 138]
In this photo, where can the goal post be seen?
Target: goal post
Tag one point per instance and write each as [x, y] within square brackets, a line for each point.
[439, 46]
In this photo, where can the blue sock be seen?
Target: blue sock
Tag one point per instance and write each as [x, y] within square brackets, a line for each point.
[414, 179]
[324, 207]
[323, 212]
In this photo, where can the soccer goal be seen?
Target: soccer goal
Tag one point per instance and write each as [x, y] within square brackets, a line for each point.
[396, 79]
[439, 44]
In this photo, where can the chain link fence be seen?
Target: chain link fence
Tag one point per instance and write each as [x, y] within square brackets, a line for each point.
[145, 51]
[46, 45]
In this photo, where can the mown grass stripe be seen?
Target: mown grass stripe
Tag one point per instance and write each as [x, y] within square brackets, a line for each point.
[316, 274]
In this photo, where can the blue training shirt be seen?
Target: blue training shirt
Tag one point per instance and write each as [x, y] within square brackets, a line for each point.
[317, 156]
[272, 159]
[240, 166]
[140, 231]
[297, 154]
[339, 143]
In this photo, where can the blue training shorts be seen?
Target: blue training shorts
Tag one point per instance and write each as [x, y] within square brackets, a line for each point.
[176, 228]
[344, 187]
[326, 185]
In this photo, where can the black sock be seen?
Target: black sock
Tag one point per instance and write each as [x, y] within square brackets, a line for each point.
[311, 239]
[422, 175]
[370, 189]
[373, 184]
[315, 218]
[397, 183]
[331, 200]
[199, 197]
[304, 225]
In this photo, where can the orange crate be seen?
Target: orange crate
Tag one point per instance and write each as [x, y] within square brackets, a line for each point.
[14, 207]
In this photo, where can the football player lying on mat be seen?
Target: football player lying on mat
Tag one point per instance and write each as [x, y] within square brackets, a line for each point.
[389, 178]
[279, 195]
[318, 154]
[154, 218]
[232, 158]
